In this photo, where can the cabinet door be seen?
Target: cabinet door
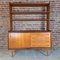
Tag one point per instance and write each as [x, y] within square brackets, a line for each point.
[19, 40]
[15, 40]
[26, 41]
[42, 39]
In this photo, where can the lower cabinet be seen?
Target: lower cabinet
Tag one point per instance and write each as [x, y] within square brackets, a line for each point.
[29, 40]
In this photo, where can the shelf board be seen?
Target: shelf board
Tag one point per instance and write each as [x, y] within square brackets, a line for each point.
[29, 4]
[30, 19]
[30, 12]
[23, 31]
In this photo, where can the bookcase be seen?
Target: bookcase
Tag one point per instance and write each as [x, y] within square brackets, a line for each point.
[27, 39]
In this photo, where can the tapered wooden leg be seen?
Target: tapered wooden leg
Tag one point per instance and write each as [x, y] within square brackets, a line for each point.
[13, 52]
[47, 52]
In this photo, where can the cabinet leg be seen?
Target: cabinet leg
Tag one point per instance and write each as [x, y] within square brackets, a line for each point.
[13, 53]
[47, 52]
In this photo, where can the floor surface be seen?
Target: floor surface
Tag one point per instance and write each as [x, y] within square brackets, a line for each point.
[29, 55]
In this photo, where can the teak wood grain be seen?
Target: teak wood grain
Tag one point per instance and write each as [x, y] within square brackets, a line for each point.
[29, 40]
[41, 39]
[19, 40]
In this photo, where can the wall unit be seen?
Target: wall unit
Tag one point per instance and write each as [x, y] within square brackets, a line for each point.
[24, 39]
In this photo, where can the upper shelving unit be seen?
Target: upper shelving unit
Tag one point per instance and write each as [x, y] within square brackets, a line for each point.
[45, 12]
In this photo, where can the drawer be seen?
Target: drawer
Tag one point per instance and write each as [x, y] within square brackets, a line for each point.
[40, 35]
[41, 39]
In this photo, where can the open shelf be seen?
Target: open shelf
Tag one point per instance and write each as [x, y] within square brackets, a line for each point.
[30, 12]
[30, 19]
[30, 31]
[45, 13]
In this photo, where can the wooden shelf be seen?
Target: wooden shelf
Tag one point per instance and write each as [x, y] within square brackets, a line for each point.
[28, 4]
[31, 31]
[30, 12]
[30, 19]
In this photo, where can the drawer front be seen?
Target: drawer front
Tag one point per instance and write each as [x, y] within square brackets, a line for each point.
[41, 39]
[19, 40]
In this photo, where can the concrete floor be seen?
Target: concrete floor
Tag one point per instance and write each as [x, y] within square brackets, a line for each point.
[29, 55]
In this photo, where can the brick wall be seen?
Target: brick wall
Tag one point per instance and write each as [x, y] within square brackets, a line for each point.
[5, 19]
